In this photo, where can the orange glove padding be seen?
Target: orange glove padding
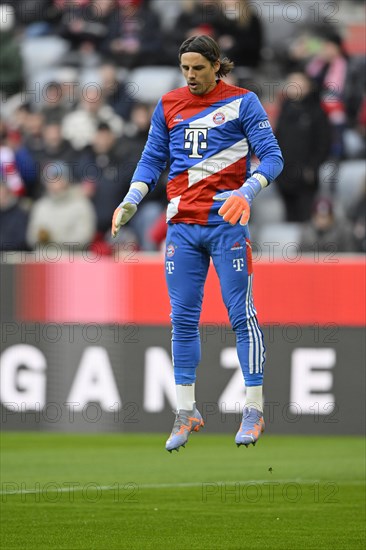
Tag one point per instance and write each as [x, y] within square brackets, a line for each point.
[235, 208]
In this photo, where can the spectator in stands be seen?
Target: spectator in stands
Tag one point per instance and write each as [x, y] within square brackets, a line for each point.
[197, 17]
[63, 216]
[303, 135]
[33, 130]
[86, 25]
[19, 117]
[301, 49]
[155, 202]
[357, 215]
[157, 232]
[355, 135]
[324, 232]
[329, 70]
[13, 138]
[135, 37]
[54, 106]
[79, 126]
[116, 94]
[35, 15]
[55, 148]
[28, 151]
[11, 68]
[233, 23]
[240, 33]
[13, 219]
[104, 173]
[8, 168]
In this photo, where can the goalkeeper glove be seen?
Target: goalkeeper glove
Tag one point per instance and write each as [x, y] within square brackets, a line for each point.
[237, 203]
[124, 212]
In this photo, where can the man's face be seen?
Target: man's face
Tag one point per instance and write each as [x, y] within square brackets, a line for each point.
[52, 135]
[103, 141]
[56, 187]
[323, 222]
[199, 73]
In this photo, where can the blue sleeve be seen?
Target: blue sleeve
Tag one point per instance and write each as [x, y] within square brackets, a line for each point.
[260, 136]
[156, 151]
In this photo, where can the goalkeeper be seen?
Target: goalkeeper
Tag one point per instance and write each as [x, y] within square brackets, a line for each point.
[209, 131]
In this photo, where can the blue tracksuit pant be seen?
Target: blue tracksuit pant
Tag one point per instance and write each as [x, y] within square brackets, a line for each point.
[188, 251]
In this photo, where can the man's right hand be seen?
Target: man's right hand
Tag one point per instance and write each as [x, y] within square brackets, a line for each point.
[122, 214]
[128, 207]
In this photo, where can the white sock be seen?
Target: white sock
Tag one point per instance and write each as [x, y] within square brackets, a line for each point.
[185, 396]
[254, 397]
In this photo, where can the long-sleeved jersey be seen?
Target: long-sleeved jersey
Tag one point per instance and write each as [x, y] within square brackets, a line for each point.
[209, 141]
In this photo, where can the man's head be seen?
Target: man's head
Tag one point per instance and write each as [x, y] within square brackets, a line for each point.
[34, 124]
[53, 94]
[201, 65]
[141, 114]
[298, 86]
[332, 47]
[52, 135]
[104, 139]
[56, 176]
[322, 215]
[103, 7]
[92, 100]
[108, 76]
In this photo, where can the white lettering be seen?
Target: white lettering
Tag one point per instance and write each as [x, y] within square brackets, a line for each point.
[310, 373]
[159, 380]
[232, 398]
[23, 377]
[94, 381]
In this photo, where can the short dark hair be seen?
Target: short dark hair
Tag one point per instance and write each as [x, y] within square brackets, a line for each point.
[208, 47]
[104, 126]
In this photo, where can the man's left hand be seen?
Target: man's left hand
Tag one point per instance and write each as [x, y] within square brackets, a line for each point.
[235, 208]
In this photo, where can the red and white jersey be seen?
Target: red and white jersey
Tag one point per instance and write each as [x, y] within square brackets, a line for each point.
[209, 141]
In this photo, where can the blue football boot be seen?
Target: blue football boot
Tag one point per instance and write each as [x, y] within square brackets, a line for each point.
[251, 427]
[185, 423]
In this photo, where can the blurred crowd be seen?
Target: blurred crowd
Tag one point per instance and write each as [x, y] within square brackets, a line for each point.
[79, 80]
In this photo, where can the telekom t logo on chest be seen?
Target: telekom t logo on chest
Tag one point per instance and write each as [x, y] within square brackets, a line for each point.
[194, 138]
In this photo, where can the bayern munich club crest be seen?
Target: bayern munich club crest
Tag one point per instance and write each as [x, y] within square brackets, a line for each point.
[170, 250]
[218, 118]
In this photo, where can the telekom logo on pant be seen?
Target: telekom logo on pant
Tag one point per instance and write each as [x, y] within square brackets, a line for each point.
[238, 264]
[169, 267]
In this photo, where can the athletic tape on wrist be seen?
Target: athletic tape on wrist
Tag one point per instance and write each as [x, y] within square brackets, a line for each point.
[251, 188]
[134, 196]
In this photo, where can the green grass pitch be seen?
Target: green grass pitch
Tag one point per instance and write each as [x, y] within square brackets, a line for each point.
[117, 491]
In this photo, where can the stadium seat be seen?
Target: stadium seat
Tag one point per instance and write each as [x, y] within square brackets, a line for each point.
[40, 79]
[268, 210]
[150, 83]
[279, 240]
[42, 52]
[350, 182]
